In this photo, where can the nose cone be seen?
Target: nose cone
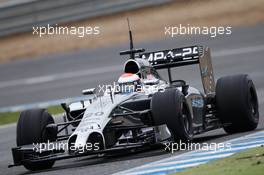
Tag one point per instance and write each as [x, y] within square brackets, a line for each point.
[81, 139]
[85, 142]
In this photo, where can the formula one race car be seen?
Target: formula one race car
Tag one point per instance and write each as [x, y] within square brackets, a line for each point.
[140, 111]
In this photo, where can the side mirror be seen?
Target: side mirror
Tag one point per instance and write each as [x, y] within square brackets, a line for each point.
[88, 91]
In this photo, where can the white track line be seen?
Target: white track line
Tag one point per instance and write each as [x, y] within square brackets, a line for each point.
[59, 76]
[65, 75]
[8, 126]
[185, 161]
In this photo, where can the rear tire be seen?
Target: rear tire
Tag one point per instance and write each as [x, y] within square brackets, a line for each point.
[170, 108]
[31, 129]
[237, 103]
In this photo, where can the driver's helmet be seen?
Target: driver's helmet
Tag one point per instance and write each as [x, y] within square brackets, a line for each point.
[128, 82]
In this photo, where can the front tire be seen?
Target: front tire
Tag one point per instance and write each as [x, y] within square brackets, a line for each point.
[170, 108]
[31, 129]
[237, 103]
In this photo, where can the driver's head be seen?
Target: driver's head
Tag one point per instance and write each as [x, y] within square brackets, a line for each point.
[128, 82]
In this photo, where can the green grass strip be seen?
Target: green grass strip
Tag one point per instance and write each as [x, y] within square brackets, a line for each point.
[249, 162]
[12, 117]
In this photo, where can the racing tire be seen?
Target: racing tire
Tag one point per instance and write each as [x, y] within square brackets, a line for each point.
[170, 108]
[237, 103]
[31, 129]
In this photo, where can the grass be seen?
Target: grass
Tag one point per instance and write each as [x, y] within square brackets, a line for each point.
[12, 117]
[244, 163]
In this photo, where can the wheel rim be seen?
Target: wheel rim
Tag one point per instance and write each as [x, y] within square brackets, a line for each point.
[186, 122]
[253, 103]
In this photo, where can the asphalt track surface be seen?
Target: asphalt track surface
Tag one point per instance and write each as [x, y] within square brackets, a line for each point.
[65, 75]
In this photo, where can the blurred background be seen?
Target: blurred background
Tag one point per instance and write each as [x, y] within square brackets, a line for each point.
[40, 69]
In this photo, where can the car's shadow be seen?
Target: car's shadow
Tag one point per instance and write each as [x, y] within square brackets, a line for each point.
[158, 151]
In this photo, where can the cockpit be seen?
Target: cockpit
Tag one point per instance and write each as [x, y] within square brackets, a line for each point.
[138, 74]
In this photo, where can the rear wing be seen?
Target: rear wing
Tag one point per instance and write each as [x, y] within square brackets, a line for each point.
[185, 56]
